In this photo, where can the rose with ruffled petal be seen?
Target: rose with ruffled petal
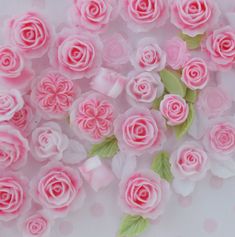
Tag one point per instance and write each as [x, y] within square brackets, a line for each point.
[77, 54]
[143, 15]
[195, 74]
[58, 188]
[174, 108]
[139, 130]
[144, 193]
[220, 46]
[30, 34]
[48, 142]
[92, 117]
[194, 17]
[149, 56]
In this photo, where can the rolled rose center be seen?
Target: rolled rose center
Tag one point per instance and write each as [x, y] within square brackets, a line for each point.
[36, 225]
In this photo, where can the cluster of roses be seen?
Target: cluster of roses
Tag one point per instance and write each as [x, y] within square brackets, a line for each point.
[36, 109]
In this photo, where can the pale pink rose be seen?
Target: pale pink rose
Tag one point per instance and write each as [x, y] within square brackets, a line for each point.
[144, 193]
[194, 17]
[53, 94]
[93, 15]
[143, 15]
[92, 117]
[10, 102]
[96, 173]
[116, 50]
[220, 46]
[30, 34]
[58, 188]
[139, 130]
[13, 196]
[177, 53]
[77, 54]
[144, 87]
[48, 142]
[213, 101]
[108, 82]
[195, 74]
[13, 148]
[149, 56]
[174, 108]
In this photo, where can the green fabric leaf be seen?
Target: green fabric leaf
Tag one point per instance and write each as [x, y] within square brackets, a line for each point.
[172, 82]
[157, 101]
[132, 226]
[182, 129]
[191, 96]
[192, 42]
[107, 148]
[161, 165]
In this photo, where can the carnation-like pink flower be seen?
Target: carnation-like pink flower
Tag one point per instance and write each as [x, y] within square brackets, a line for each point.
[194, 17]
[144, 193]
[48, 142]
[143, 15]
[92, 116]
[177, 53]
[58, 188]
[30, 34]
[148, 56]
[139, 130]
[10, 102]
[220, 46]
[195, 74]
[77, 54]
[174, 108]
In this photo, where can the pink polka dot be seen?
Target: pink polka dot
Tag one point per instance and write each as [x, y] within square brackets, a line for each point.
[66, 228]
[210, 225]
[185, 201]
[216, 182]
[97, 209]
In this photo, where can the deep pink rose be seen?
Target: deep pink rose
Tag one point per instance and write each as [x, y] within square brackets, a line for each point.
[58, 188]
[77, 54]
[195, 74]
[143, 15]
[174, 108]
[149, 56]
[30, 34]
[144, 193]
[194, 17]
[92, 116]
[220, 46]
[177, 53]
[139, 130]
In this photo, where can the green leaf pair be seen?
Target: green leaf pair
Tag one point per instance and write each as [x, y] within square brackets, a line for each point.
[192, 42]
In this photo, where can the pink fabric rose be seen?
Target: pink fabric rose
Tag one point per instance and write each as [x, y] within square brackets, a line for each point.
[220, 46]
[194, 17]
[174, 108]
[92, 117]
[139, 130]
[177, 53]
[195, 74]
[13, 196]
[143, 15]
[144, 87]
[108, 82]
[149, 56]
[48, 142]
[30, 34]
[10, 102]
[58, 188]
[93, 15]
[54, 95]
[213, 101]
[13, 148]
[77, 54]
[144, 193]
